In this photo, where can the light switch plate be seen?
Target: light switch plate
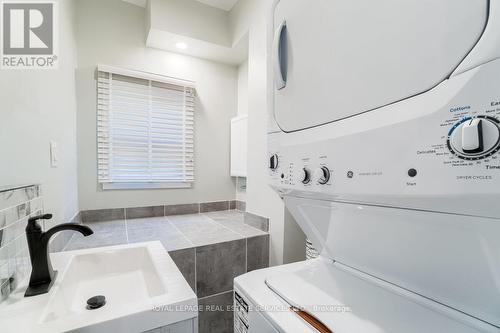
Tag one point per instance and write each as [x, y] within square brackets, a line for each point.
[54, 154]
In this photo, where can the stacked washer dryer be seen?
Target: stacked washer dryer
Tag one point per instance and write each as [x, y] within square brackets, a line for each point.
[387, 157]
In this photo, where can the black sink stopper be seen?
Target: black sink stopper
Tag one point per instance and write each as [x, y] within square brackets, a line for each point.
[96, 302]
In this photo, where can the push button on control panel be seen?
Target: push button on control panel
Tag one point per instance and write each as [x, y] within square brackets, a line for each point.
[412, 172]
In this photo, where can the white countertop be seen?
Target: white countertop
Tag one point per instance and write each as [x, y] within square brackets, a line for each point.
[19, 314]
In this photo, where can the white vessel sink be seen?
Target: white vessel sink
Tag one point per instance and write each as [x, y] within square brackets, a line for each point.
[142, 285]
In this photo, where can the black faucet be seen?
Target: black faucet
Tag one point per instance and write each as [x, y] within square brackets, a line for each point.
[42, 274]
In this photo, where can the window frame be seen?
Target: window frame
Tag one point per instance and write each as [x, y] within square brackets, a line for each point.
[131, 185]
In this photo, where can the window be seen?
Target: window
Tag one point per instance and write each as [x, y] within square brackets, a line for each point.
[145, 130]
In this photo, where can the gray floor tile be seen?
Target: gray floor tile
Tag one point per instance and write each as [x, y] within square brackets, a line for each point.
[221, 321]
[105, 234]
[107, 226]
[141, 212]
[202, 230]
[185, 261]
[191, 223]
[213, 206]
[182, 209]
[77, 219]
[217, 265]
[232, 215]
[187, 219]
[136, 225]
[59, 241]
[243, 229]
[241, 205]
[257, 252]
[257, 221]
[159, 228]
[240, 228]
[100, 215]
[214, 237]
[233, 220]
[188, 224]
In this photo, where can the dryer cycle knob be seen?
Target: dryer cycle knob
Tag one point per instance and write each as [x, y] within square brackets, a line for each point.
[322, 175]
[475, 138]
[305, 176]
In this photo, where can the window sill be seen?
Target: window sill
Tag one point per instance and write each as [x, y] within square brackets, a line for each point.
[144, 186]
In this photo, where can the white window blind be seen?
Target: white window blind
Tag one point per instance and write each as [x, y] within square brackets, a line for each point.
[145, 130]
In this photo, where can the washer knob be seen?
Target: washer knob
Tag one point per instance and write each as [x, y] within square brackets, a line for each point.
[273, 162]
[305, 175]
[322, 175]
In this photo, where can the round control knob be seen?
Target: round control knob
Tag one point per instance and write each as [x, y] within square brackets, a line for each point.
[305, 175]
[273, 162]
[322, 175]
[475, 138]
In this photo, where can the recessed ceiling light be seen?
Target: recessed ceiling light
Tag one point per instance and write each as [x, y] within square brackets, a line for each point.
[181, 45]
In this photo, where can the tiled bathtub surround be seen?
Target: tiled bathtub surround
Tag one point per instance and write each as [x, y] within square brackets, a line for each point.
[257, 221]
[240, 205]
[210, 249]
[174, 231]
[157, 211]
[17, 204]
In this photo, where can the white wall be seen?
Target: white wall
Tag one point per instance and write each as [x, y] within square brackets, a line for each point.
[113, 32]
[294, 240]
[192, 19]
[240, 183]
[204, 29]
[243, 88]
[255, 18]
[38, 106]
[252, 16]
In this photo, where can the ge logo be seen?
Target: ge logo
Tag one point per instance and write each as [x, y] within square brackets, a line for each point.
[350, 174]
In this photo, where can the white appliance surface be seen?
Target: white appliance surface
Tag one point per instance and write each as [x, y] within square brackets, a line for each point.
[344, 300]
[342, 58]
[451, 259]
[369, 156]
[431, 210]
[388, 159]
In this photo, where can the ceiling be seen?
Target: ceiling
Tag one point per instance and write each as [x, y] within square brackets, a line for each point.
[141, 3]
[222, 4]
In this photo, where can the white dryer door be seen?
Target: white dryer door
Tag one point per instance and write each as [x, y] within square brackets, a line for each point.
[335, 58]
